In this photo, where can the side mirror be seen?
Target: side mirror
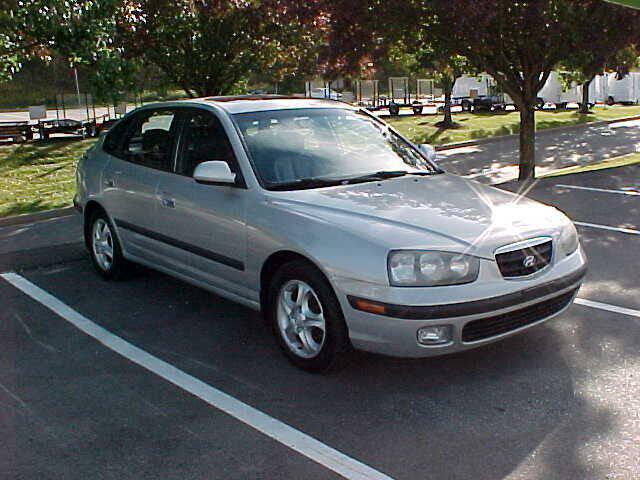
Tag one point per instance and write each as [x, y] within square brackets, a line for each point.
[428, 151]
[216, 172]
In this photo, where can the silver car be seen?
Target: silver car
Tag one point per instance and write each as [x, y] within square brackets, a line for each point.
[342, 232]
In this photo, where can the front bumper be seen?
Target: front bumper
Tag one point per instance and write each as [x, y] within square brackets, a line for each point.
[474, 323]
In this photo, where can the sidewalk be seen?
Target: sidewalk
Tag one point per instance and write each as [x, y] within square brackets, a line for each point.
[495, 160]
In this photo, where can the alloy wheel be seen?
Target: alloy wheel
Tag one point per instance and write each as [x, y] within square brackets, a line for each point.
[301, 321]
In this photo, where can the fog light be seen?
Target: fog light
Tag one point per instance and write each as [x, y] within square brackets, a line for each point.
[434, 335]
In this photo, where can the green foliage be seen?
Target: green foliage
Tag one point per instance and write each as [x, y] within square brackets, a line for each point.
[10, 57]
[206, 47]
[608, 47]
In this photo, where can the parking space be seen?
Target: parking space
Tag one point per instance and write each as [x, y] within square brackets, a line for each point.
[560, 401]
[72, 407]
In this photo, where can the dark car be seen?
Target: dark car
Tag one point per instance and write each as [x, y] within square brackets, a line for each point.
[488, 103]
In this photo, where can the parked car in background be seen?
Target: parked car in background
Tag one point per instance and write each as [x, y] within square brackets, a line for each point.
[489, 103]
[65, 126]
[323, 217]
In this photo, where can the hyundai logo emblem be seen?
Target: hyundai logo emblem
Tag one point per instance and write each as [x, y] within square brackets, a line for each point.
[529, 261]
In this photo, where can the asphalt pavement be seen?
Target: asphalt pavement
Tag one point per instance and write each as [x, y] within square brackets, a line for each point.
[559, 401]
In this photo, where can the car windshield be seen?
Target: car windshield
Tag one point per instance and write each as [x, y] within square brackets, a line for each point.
[309, 148]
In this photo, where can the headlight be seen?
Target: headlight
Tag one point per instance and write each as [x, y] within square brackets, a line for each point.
[568, 240]
[429, 269]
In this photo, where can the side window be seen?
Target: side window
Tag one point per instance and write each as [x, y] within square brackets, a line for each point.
[114, 141]
[203, 140]
[149, 141]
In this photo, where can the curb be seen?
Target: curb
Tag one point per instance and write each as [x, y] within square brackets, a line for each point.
[36, 217]
[498, 138]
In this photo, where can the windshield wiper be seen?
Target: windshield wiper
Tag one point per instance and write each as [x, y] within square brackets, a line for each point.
[383, 175]
[318, 182]
[303, 183]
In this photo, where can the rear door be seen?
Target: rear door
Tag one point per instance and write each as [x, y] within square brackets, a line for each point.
[145, 153]
[205, 222]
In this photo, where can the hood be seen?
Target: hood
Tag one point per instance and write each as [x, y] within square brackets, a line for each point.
[428, 212]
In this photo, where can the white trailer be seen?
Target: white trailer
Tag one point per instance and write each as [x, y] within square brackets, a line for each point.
[471, 87]
[625, 90]
[555, 94]
[598, 89]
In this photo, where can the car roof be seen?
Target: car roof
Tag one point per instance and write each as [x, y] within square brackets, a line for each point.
[260, 103]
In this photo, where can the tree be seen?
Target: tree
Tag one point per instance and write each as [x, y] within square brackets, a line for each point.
[211, 47]
[446, 68]
[207, 47]
[517, 43]
[598, 49]
[83, 32]
[12, 50]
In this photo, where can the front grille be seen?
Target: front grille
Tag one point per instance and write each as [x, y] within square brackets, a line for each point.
[506, 322]
[518, 263]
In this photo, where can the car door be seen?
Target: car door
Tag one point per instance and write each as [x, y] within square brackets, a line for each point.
[206, 222]
[145, 153]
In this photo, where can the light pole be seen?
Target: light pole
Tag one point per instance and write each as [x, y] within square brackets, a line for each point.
[75, 73]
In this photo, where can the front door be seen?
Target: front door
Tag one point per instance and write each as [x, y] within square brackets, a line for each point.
[207, 222]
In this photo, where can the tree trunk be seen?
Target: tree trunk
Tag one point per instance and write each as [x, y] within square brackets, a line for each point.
[584, 106]
[448, 88]
[527, 142]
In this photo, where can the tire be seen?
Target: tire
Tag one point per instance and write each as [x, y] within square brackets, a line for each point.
[610, 100]
[466, 106]
[309, 348]
[394, 109]
[106, 256]
[417, 109]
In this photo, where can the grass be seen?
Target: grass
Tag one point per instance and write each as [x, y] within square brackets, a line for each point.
[622, 161]
[39, 176]
[422, 129]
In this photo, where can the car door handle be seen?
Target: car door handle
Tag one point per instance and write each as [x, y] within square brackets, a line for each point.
[168, 202]
[109, 182]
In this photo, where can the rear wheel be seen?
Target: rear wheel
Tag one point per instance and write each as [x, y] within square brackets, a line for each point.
[106, 253]
[306, 318]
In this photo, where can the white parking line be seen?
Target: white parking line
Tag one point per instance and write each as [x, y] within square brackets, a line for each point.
[302, 443]
[608, 307]
[607, 227]
[603, 190]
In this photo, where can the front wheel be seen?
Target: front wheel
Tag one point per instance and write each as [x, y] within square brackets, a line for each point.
[306, 318]
[104, 247]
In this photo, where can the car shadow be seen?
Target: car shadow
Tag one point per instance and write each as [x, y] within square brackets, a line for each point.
[478, 414]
